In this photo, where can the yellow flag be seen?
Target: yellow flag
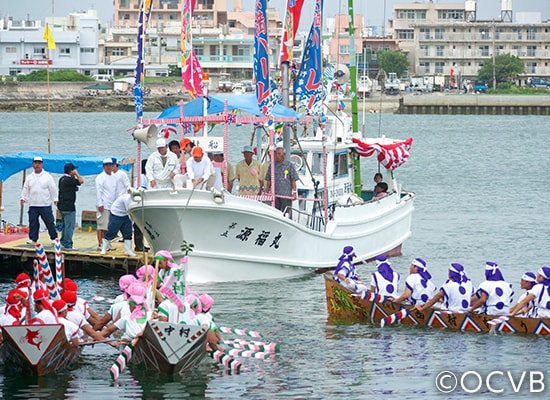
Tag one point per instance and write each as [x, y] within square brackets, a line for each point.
[49, 38]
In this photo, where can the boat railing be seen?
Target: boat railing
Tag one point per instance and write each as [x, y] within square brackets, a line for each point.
[313, 222]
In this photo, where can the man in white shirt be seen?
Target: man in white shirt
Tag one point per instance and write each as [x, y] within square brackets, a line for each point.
[119, 221]
[199, 168]
[106, 193]
[161, 167]
[40, 191]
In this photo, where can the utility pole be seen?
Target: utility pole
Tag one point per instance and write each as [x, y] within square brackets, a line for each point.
[494, 49]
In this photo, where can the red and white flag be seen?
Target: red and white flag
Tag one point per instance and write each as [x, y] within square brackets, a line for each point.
[390, 156]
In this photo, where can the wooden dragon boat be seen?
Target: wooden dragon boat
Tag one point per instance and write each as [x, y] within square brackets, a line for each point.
[169, 348]
[343, 304]
[38, 349]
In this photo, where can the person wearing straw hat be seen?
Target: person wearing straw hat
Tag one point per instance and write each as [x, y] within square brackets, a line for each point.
[494, 295]
[539, 294]
[161, 166]
[248, 172]
[419, 287]
[40, 191]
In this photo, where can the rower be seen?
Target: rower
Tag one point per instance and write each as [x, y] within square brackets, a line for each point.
[539, 294]
[384, 280]
[455, 292]
[419, 287]
[71, 329]
[528, 280]
[494, 295]
[345, 272]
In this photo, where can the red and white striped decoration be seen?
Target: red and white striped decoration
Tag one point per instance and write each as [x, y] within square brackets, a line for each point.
[498, 320]
[248, 353]
[226, 360]
[395, 317]
[240, 332]
[58, 266]
[374, 297]
[390, 156]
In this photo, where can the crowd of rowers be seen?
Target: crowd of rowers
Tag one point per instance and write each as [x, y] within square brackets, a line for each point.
[128, 313]
[494, 296]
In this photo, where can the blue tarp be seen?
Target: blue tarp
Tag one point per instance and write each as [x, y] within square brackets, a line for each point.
[245, 102]
[11, 164]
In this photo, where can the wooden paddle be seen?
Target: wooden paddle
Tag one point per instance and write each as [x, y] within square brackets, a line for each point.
[124, 357]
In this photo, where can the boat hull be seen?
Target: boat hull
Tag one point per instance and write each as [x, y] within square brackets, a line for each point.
[243, 239]
[342, 306]
[38, 349]
[169, 348]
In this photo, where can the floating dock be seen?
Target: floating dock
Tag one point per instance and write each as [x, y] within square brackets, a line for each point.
[15, 250]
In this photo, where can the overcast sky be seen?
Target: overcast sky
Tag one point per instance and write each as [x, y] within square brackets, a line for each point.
[375, 11]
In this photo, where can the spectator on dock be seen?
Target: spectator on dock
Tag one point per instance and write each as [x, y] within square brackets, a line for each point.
[106, 189]
[68, 186]
[123, 182]
[161, 167]
[40, 191]
[119, 221]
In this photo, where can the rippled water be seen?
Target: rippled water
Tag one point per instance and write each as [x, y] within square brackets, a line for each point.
[482, 186]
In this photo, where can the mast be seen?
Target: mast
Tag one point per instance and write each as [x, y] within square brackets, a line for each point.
[353, 81]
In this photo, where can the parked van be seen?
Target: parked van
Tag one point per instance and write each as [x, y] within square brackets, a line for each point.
[103, 77]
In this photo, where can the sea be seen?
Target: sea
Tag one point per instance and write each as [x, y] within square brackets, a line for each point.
[482, 186]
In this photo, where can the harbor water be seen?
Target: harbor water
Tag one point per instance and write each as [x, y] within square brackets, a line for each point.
[482, 190]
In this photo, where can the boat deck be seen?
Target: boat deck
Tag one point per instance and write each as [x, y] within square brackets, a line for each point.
[14, 248]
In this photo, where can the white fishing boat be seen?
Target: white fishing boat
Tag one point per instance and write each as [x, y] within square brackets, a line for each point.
[246, 238]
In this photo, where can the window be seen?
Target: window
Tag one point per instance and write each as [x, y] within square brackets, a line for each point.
[499, 50]
[425, 50]
[531, 34]
[439, 66]
[439, 51]
[117, 51]
[484, 51]
[518, 32]
[531, 51]
[340, 164]
[411, 14]
[126, 17]
[439, 33]
[343, 49]
[425, 33]
[65, 51]
[516, 51]
[199, 50]
[39, 51]
[531, 67]
[425, 67]
[243, 50]
[405, 34]
[87, 50]
[450, 14]
[11, 50]
[124, 3]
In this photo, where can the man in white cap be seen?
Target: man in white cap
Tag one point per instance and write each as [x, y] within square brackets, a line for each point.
[106, 194]
[161, 166]
[40, 191]
[249, 174]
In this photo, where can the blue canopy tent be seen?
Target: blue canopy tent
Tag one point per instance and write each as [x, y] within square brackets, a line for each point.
[215, 104]
[11, 164]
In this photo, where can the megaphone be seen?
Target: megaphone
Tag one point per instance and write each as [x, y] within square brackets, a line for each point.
[147, 135]
[342, 74]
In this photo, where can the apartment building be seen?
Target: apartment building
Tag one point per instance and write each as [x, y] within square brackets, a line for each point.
[438, 38]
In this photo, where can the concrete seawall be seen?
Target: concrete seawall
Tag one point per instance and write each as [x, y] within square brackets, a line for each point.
[72, 97]
[475, 104]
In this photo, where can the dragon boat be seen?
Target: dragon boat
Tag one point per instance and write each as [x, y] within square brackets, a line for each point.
[343, 304]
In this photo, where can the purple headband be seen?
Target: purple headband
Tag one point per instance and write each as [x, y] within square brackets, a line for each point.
[384, 268]
[492, 272]
[422, 270]
[456, 272]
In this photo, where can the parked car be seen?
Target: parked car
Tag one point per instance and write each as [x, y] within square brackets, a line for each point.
[539, 83]
[480, 87]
